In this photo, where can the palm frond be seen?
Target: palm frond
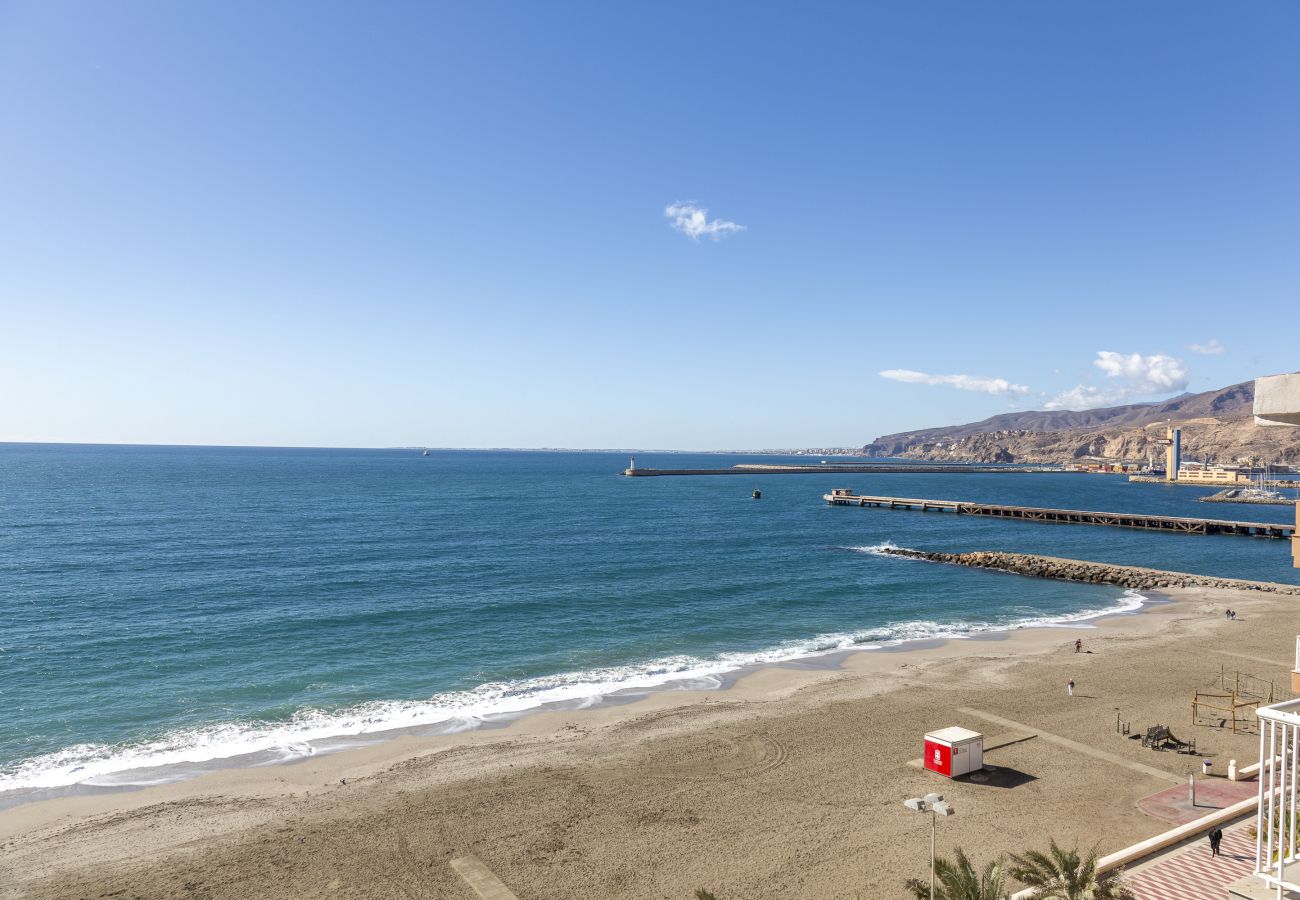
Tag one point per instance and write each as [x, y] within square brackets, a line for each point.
[1062, 874]
[920, 890]
[958, 879]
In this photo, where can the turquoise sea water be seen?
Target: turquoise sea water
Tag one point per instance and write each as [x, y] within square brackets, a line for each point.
[165, 609]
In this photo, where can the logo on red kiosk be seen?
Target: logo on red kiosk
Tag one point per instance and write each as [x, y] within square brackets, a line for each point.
[938, 758]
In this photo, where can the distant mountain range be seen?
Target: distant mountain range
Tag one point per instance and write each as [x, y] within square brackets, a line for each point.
[1216, 424]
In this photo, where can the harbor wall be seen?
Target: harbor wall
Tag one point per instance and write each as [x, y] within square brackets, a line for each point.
[767, 469]
[1135, 577]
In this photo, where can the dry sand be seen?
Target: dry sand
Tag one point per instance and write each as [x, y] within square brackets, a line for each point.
[787, 785]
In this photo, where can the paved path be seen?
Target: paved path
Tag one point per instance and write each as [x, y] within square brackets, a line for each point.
[1076, 746]
[1190, 873]
[480, 879]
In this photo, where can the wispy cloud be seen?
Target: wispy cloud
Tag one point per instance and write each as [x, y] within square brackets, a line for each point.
[960, 382]
[1134, 376]
[694, 222]
[1086, 396]
[1212, 347]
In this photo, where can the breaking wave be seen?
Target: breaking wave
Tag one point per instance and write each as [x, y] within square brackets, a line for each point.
[183, 753]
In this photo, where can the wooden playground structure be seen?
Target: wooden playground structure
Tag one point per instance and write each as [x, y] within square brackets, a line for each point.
[1233, 695]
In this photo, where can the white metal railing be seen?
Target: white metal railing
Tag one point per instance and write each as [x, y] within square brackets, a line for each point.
[1278, 817]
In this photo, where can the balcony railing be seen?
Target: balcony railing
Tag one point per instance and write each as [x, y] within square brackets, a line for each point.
[1278, 817]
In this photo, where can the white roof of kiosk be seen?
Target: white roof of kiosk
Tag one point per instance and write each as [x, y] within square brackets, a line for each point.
[954, 735]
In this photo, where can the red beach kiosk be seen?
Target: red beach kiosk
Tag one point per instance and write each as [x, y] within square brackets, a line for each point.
[954, 751]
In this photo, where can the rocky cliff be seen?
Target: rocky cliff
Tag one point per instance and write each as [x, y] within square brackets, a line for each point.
[1216, 424]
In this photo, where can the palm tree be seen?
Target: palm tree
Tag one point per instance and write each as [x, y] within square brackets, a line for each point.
[959, 881]
[1279, 829]
[1063, 875]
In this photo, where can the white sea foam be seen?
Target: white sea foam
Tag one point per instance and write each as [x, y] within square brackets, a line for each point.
[876, 549]
[182, 753]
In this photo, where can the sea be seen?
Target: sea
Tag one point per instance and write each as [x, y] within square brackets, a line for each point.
[165, 611]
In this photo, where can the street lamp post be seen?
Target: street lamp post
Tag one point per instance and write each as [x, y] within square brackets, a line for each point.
[935, 805]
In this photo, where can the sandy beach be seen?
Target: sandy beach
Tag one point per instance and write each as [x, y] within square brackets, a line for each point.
[787, 784]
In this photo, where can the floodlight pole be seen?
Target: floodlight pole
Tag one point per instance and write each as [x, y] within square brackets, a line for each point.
[934, 805]
[934, 820]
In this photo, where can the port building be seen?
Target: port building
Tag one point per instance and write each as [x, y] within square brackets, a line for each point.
[1196, 473]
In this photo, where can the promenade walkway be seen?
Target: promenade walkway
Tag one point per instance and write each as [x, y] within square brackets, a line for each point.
[1190, 873]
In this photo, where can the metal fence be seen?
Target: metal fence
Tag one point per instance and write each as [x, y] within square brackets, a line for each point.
[1278, 818]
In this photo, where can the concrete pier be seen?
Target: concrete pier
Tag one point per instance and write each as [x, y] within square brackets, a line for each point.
[868, 468]
[1179, 524]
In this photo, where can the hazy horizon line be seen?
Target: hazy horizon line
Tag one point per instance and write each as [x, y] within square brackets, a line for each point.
[765, 450]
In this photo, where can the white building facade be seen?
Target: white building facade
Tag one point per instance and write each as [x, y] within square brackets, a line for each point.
[1277, 402]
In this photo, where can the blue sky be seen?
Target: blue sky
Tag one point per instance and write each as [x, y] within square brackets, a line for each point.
[444, 224]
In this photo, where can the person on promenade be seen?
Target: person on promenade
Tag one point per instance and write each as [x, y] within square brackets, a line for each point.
[1069, 687]
[1078, 645]
[1216, 837]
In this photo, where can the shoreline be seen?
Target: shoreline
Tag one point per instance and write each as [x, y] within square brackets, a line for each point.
[639, 780]
[144, 778]
[748, 683]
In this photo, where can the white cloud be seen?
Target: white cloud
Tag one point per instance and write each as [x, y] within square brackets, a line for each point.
[1212, 347]
[1156, 374]
[693, 221]
[1085, 396]
[1135, 376]
[960, 382]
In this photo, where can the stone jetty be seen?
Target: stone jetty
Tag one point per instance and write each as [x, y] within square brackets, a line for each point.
[1135, 577]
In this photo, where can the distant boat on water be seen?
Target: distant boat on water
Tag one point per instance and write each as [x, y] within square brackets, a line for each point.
[426, 452]
[758, 495]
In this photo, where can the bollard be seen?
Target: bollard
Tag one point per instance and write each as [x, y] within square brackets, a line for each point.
[1205, 766]
[1232, 770]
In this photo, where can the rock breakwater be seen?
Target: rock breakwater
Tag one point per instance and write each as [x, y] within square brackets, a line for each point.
[1135, 577]
[1251, 495]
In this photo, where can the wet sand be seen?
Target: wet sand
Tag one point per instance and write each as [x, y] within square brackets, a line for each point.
[787, 784]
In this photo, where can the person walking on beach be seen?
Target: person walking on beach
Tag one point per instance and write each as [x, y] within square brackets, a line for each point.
[1069, 687]
[1078, 645]
[1216, 837]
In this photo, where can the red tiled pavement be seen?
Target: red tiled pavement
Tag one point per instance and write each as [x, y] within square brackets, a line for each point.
[1192, 874]
[1174, 804]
